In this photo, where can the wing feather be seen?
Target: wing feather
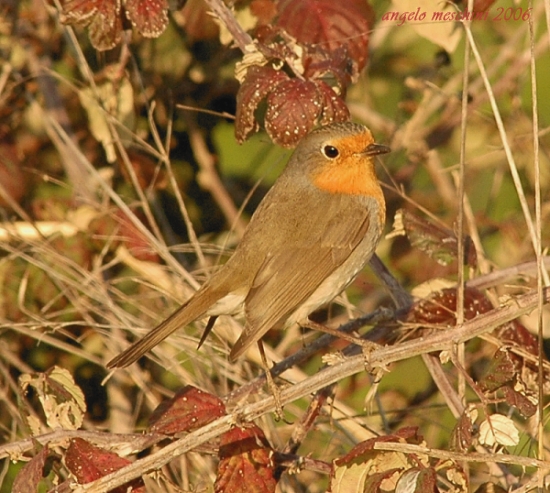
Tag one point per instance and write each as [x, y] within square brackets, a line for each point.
[302, 256]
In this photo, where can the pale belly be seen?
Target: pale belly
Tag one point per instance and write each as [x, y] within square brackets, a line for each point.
[333, 285]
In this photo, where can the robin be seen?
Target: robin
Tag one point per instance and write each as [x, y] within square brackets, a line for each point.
[310, 236]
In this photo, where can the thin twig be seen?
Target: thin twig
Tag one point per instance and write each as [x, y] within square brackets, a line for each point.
[226, 17]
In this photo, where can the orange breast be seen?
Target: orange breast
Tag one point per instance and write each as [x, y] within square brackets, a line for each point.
[353, 176]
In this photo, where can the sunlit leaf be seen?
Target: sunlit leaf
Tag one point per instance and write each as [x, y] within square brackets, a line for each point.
[188, 410]
[246, 464]
[498, 429]
[88, 463]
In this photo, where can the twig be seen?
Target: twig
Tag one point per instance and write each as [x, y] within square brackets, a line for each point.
[406, 448]
[401, 298]
[112, 441]
[222, 12]
[379, 357]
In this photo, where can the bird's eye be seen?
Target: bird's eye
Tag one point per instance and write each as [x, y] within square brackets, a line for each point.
[330, 151]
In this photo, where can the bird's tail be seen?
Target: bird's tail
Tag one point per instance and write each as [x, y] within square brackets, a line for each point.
[184, 315]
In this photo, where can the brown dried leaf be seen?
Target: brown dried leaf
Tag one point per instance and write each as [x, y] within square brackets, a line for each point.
[117, 229]
[418, 480]
[88, 463]
[373, 484]
[329, 24]
[335, 68]
[61, 399]
[147, 171]
[82, 11]
[501, 372]
[408, 434]
[461, 437]
[366, 469]
[245, 462]
[439, 243]
[188, 410]
[520, 401]
[31, 473]
[149, 17]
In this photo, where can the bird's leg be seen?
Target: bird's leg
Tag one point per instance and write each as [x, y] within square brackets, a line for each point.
[271, 385]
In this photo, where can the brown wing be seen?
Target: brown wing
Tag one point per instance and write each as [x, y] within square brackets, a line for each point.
[292, 268]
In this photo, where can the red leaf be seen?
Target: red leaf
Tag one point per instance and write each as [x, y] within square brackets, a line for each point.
[296, 106]
[440, 307]
[292, 110]
[31, 473]
[334, 107]
[258, 83]
[330, 24]
[245, 462]
[88, 463]
[103, 17]
[188, 410]
[516, 334]
[149, 17]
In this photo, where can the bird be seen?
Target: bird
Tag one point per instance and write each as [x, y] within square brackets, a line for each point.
[309, 237]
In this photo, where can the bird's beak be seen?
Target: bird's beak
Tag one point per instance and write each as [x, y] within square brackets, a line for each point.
[375, 149]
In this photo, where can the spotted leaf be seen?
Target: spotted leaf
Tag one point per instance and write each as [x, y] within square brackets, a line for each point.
[245, 462]
[88, 463]
[149, 17]
[258, 83]
[189, 409]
